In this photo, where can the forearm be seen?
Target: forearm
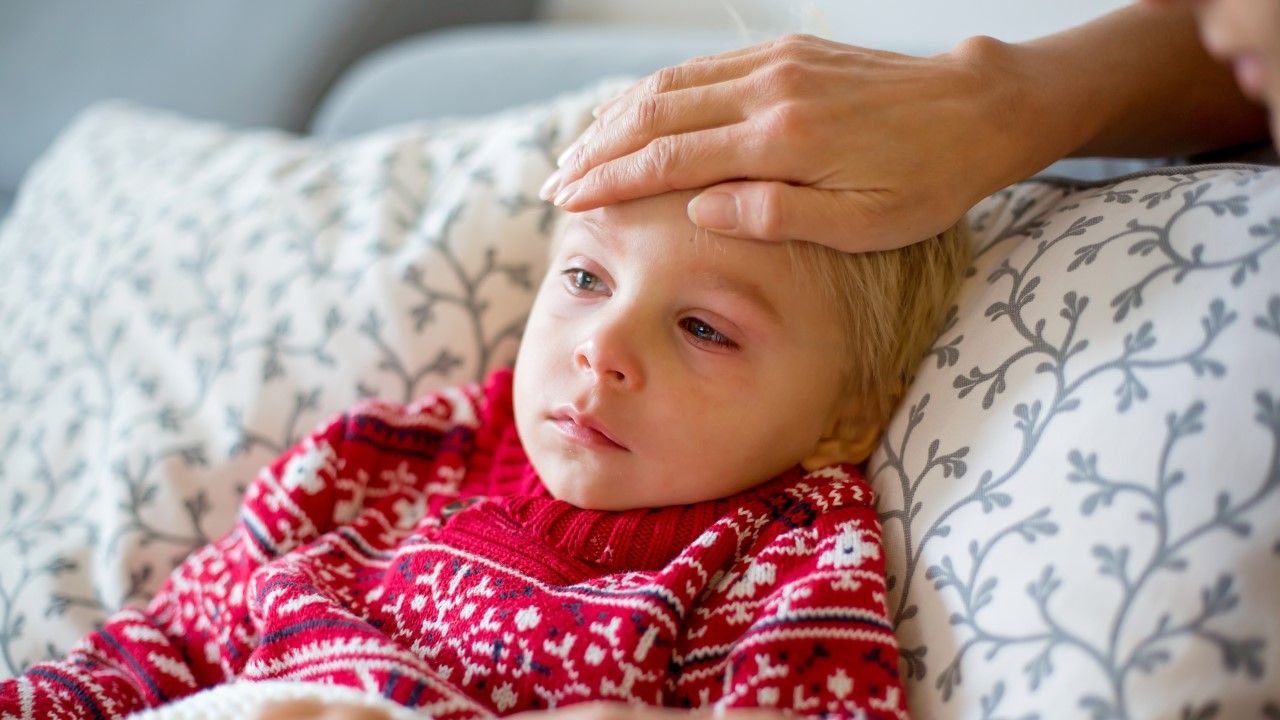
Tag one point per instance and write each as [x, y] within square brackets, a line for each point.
[197, 631]
[1134, 83]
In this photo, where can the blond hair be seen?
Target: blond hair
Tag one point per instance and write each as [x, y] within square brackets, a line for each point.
[891, 304]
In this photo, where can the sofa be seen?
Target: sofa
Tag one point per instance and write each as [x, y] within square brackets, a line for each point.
[1079, 492]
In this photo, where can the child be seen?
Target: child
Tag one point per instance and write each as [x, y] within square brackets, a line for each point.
[622, 519]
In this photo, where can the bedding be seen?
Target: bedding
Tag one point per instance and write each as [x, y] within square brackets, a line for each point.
[180, 302]
[1078, 492]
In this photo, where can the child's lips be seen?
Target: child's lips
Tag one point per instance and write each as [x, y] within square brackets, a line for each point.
[584, 428]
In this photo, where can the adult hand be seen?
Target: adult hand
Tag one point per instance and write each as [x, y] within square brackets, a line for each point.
[805, 138]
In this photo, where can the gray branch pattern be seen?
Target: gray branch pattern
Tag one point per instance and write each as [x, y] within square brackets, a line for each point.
[235, 313]
[972, 580]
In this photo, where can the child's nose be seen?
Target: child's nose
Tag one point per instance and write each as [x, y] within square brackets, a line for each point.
[609, 355]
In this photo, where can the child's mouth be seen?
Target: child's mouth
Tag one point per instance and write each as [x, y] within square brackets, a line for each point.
[583, 429]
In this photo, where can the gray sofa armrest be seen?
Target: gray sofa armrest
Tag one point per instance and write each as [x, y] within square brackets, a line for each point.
[241, 62]
[482, 69]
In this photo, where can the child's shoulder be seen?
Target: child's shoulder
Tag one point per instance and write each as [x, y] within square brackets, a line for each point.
[820, 499]
[826, 487]
[838, 485]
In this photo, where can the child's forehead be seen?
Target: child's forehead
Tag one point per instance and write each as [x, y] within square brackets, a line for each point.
[661, 234]
[664, 218]
[657, 236]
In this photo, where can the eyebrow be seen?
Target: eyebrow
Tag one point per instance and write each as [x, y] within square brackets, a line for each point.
[597, 231]
[745, 289]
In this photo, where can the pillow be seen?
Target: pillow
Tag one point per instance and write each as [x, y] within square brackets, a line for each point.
[1079, 493]
[179, 303]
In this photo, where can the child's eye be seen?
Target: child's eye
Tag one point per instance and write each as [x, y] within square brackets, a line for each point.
[704, 334]
[582, 282]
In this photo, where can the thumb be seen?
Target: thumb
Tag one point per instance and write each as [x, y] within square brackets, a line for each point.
[848, 220]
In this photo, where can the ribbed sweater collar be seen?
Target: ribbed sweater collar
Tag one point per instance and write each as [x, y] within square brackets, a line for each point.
[641, 539]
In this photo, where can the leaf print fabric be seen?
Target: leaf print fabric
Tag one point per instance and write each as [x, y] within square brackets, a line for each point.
[1079, 493]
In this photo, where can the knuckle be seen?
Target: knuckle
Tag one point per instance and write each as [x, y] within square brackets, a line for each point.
[664, 80]
[786, 77]
[771, 219]
[792, 42]
[644, 117]
[786, 121]
[611, 181]
[661, 158]
[601, 179]
[578, 160]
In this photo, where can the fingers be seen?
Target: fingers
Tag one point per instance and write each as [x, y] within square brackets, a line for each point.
[698, 95]
[650, 116]
[705, 69]
[847, 220]
[670, 162]
[672, 100]
[682, 76]
[673, 77]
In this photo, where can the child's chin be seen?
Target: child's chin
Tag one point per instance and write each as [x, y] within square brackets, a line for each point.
[581, 478]
[587, 495]
[582, 489]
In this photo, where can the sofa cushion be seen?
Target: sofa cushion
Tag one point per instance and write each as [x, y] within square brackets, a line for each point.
[241, 62]
[477, 70]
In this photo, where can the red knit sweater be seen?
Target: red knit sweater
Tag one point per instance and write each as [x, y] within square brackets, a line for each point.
[412, 550]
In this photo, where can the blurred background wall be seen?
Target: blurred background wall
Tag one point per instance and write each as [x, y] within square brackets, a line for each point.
[340, 67]
[243, 62]
[911, 26]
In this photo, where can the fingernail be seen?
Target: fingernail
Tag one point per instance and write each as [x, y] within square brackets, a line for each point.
[566, 193]
[549, 186]
[595, 111]
[568, 152]
[714, 211]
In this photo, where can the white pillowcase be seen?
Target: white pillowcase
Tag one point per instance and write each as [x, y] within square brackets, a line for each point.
[1080, 491]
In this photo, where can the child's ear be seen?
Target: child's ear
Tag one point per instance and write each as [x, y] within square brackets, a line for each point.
[849, 439]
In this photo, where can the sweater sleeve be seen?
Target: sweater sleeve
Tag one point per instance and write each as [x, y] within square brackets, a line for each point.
[188, 637]
[800, 623]
[198, 631]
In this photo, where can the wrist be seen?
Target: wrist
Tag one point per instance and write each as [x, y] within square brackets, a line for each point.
[1020, 106]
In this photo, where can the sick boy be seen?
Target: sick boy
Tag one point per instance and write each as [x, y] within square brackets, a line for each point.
[627, 517]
